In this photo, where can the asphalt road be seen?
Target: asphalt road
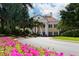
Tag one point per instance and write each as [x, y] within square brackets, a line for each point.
[60, 46]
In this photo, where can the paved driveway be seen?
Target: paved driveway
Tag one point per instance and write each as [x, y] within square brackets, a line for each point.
[59, 46]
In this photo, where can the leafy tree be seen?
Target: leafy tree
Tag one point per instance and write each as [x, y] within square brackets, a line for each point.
[14, 15]
[70, 17]
[69, 23]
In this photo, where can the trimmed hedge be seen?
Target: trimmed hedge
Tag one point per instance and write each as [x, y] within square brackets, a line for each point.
[71, 33]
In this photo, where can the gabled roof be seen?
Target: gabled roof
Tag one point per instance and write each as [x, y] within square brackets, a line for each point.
[50, 18]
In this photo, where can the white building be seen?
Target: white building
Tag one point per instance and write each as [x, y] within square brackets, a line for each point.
[49, 27]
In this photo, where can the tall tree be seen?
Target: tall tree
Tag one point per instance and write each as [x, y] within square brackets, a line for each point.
[70, 17]
[12, 14]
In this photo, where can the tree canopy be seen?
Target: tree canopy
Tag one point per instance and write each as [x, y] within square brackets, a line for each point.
[70, 17]
[14, 15]
[14, 19]
[69, 23]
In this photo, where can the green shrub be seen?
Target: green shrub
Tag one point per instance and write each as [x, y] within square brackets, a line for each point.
[2, 35]
[71, 33]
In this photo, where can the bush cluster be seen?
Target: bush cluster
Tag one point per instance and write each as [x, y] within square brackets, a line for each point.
[71, 33]
[14, 33]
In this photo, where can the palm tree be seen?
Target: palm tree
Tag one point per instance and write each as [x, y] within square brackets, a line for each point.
[37, 26]
[40, 25]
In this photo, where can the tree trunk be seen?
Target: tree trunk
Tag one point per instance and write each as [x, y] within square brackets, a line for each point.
[2, 24]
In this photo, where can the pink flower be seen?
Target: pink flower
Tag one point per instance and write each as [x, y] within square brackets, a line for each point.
[31, 49]
[24, 48]
[60, 54]
[5, 37]
[16, 54]
[28, 54]
[35, 52]
[10, 43]
[14, 50]
[46, 54]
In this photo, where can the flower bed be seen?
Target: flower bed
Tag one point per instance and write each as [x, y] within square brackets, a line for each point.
[11, 47]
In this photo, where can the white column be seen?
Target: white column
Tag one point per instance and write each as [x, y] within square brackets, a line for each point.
[58, 32]
[46, 29]
[33, 30]
[53, 28]
[53, 33]
[36, 29]
[41, 31]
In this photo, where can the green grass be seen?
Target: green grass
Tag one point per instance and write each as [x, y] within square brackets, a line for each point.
[70, 39]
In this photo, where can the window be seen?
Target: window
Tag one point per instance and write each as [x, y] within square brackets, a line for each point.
[55, 25]
[50, 33]
[55, 33]
[43, 33]
[44, 26]
[38, 17]
[50, 25]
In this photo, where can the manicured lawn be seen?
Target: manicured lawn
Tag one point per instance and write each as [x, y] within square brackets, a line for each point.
[71, 39]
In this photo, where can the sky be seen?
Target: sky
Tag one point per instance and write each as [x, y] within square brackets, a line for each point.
[48, 9]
